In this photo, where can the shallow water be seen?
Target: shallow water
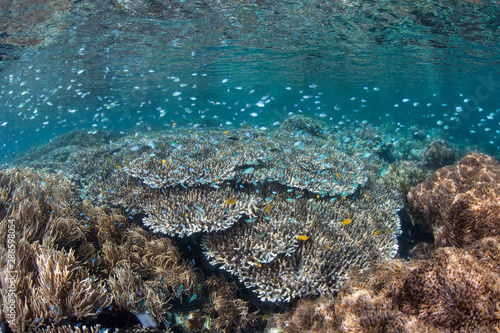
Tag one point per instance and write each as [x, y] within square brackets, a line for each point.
[126, 97]
[132, 65]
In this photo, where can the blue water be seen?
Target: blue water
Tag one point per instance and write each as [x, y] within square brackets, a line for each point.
[141, 65]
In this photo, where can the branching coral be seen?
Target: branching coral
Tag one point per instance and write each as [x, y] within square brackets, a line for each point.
[461, 203]
[300, 247]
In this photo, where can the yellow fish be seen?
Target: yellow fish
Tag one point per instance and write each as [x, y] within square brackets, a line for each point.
[376, 232]
[346, 221]
[268, 208]
[225, 132]
[163, 161]
[302, 238]
[230, 201]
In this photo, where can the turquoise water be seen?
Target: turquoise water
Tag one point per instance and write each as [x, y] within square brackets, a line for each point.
[138, 65]
[180, 116]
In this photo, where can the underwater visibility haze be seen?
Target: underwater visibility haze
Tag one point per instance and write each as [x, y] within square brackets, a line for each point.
[113, 65]
[219, 166]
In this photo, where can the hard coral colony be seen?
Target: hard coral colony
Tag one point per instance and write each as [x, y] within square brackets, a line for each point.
[277, 225]
[279, 219]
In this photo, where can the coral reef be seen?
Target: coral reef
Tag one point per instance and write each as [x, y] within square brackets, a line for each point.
[254, 199]
[438, 154]
[290, 214]
[403, 176]
[65, 260]
[456, 290]
[231, 314]
[255, 196]
[302, 123]
[299, 247]
[155, 259]
[46, 286]
[133, 294]
[451, 290]
[38, 200]
[460, 203]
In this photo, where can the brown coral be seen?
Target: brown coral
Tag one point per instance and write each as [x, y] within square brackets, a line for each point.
[438, 154]
[156, 259]
[231, 314]
[452, 290]
[461, 203]
[47, 285]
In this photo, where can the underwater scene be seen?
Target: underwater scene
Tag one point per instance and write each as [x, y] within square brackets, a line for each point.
[250, 166]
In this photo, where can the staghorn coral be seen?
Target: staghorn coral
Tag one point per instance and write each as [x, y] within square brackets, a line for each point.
[461, 203]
